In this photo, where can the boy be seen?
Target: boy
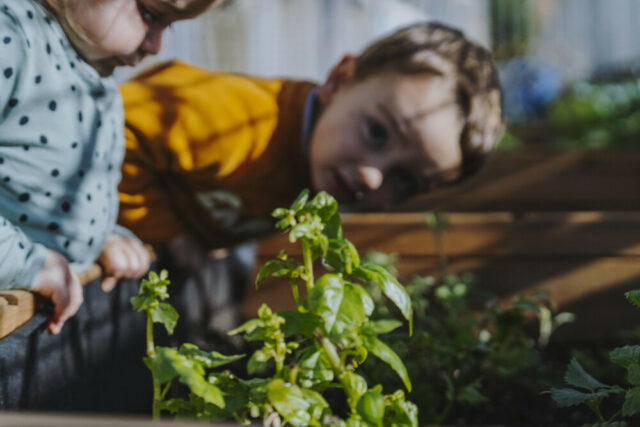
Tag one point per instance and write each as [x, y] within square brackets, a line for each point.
[210, 155]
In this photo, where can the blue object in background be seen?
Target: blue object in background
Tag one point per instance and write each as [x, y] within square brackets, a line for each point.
[529, 86]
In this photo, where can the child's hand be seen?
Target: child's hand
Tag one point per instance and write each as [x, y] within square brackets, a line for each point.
[122, 257]
[57, 282]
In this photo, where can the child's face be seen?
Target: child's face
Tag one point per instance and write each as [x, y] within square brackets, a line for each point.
[110, 33]
[385, 138]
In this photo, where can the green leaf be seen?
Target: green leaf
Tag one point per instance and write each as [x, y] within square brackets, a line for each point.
[355, 386]
[201, 387]
[339, 304]
[631, 402]
[142, 303]
[299, 231]
[633, 374]
[162, 364]
[333, 227]
[267, 269]
[565, 397]
[169, 363]
[289, 401]
[167, 315]
[209, 360]
[300, 200]
[317, 405]
[314, 368]
[297, 323]
[175, 405]
[371, 407]
[471, 395]
[280, 213]
[248, 326]
[367, 301]
[258, 362]
[633, 297]
[377, 327]
[578, 377]
[342, 256]
[626, 355]
[402, 412]
[390, 287]
[384, 353]
[236, 394]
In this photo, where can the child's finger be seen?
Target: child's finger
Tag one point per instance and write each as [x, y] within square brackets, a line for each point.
[67, 302]
[108, 283]
[143, 260]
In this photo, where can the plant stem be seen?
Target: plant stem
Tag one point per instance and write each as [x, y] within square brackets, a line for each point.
[336, 366]
[308, 263]
[442, 258]
[151, 349]
[151, 352]
[614, 416]
[296, 294]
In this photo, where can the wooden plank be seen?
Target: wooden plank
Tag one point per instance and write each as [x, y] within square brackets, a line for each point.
[22, 419]
[16, 307]
[496, 234]
[590, 287]
[534, 180]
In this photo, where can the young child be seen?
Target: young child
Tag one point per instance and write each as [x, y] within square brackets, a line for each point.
[61, 139]
[210, 155]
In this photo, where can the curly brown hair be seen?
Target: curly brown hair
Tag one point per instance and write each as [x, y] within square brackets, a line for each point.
[437, 49]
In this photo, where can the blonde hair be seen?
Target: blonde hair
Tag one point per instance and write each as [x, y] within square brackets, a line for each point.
[439, 50]
[186, 8]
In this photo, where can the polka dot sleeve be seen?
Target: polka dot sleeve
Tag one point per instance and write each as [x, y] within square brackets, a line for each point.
[13, 45]
[20, 258]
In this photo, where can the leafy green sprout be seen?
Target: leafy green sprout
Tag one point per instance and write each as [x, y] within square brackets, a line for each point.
[318, 346]
[585, 389]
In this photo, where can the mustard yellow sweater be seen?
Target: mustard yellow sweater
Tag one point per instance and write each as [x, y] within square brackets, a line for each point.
[210, 152]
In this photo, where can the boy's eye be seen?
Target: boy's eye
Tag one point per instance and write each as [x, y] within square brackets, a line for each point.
[405, 183]
[376, 133]
[147, 16]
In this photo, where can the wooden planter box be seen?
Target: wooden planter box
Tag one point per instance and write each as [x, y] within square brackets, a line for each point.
[564, 222]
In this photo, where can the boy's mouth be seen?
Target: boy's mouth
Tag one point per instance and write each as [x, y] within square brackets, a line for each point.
[341, 188]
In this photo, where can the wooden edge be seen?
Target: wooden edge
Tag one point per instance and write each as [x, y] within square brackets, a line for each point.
[18, 306]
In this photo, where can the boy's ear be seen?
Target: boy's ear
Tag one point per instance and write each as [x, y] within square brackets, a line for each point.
[340, 75]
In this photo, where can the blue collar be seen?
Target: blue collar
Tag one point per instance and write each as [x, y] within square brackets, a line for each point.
[307, 123]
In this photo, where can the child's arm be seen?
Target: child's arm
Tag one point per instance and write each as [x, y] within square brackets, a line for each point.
[25, 264]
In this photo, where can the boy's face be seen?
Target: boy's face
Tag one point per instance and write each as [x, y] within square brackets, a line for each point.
[110, 33]
[385, 138]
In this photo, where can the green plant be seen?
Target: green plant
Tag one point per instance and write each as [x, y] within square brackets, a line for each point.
[597, 114]
[467, 347]
[585, 389]
[317, 348]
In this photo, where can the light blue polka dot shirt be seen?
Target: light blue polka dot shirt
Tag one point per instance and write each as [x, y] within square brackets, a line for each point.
[61, 147]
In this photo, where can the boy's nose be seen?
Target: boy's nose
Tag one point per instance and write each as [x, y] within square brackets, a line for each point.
[152, 41]
[371, 177]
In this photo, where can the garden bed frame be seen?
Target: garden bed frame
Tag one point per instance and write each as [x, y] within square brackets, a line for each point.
[564, 222]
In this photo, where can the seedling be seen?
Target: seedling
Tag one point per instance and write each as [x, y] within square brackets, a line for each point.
[305, 352]
[587, 390]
